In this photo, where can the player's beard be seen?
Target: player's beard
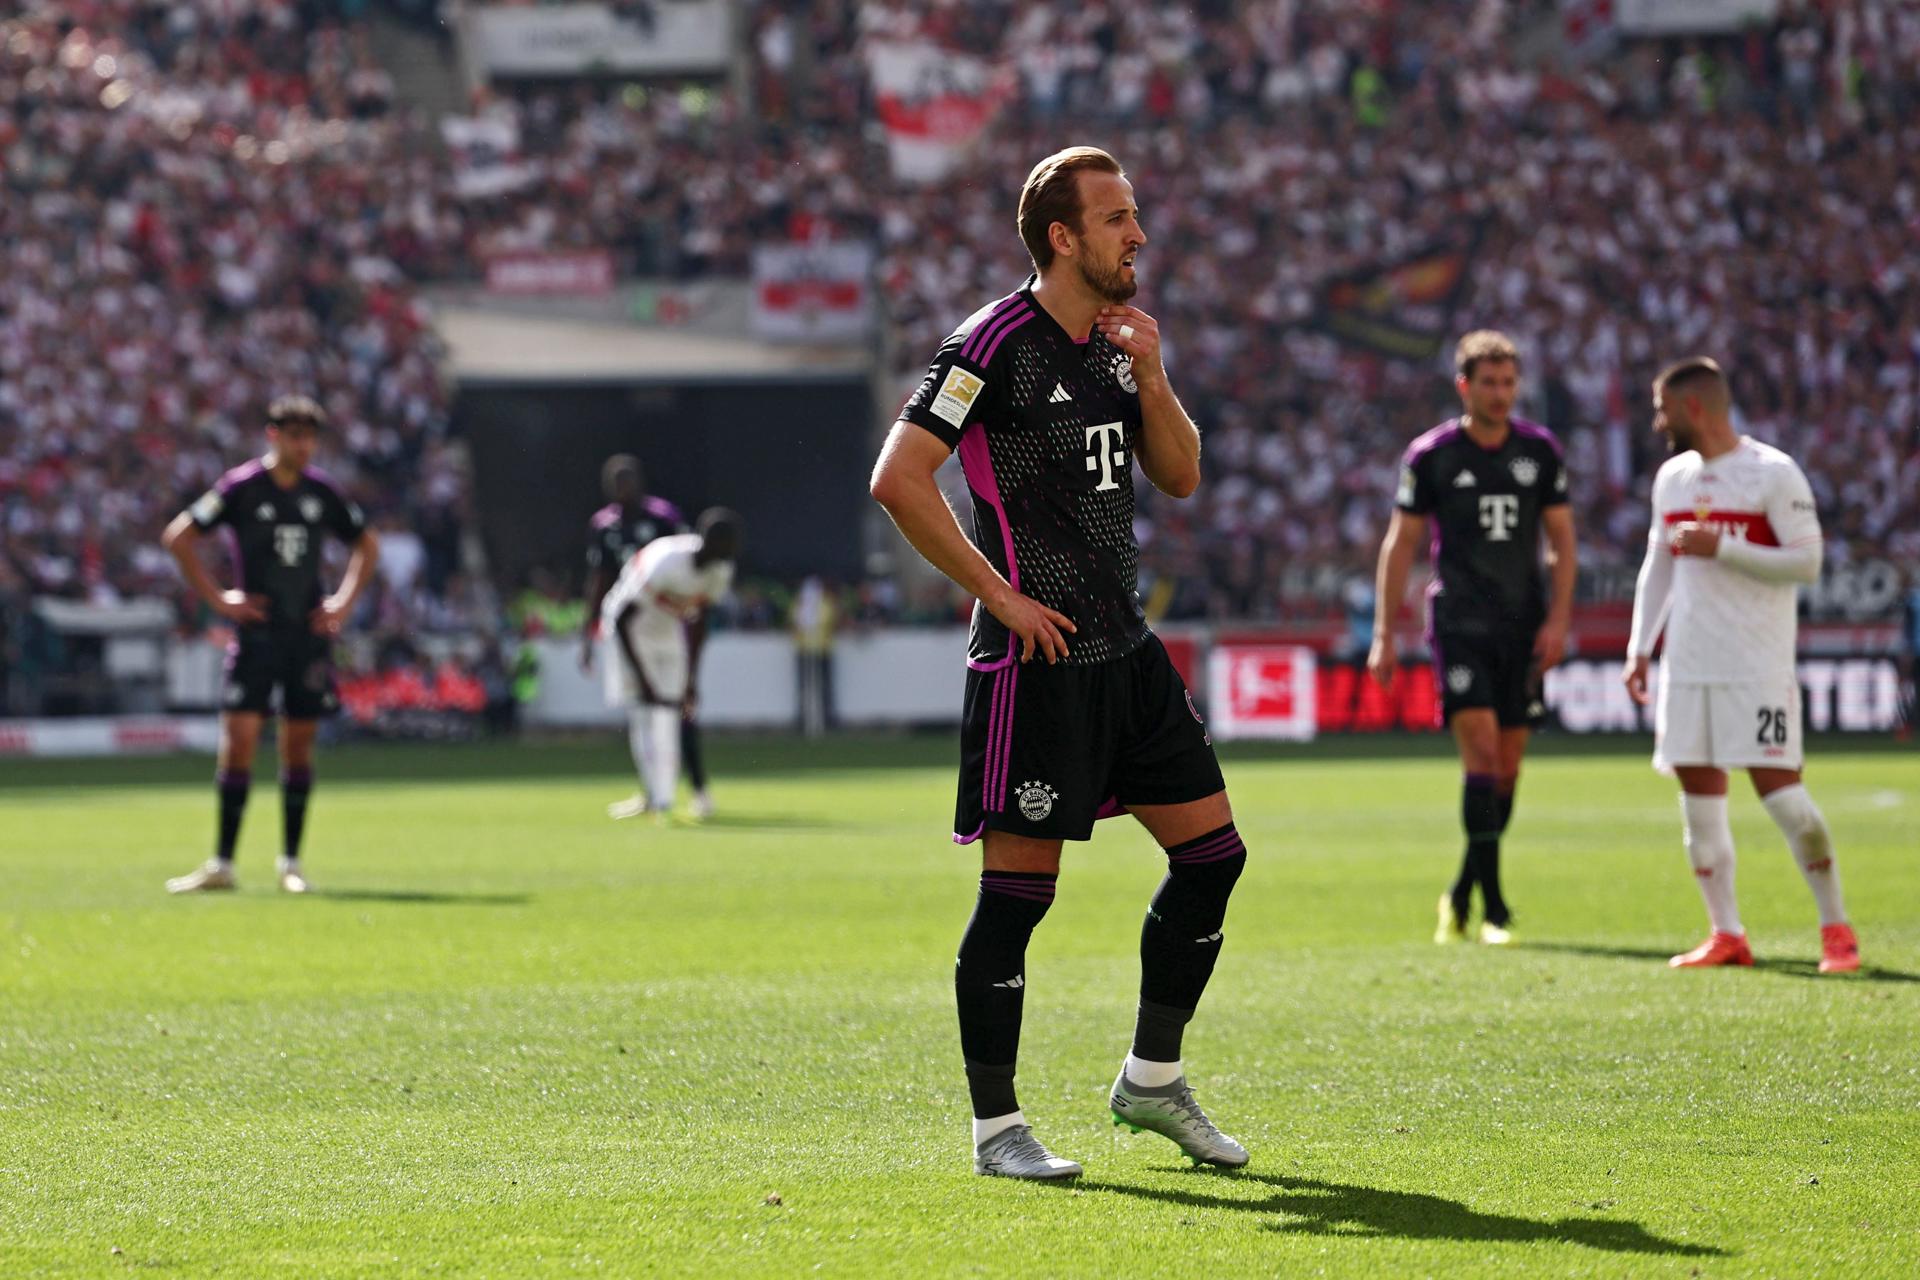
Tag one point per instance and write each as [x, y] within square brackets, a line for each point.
[1108, 282]
[1680, 438]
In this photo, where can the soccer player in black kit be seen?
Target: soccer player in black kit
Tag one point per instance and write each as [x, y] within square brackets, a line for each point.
[275, 512]
[1050, 395]
[1489, 483]
[631, 519]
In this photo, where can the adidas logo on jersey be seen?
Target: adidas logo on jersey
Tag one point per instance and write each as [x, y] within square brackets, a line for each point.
[1464, 480]
[1059, 395]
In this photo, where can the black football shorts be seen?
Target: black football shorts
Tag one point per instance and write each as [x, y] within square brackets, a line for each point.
[1494, 671]
[1046, 750]
[297, 663]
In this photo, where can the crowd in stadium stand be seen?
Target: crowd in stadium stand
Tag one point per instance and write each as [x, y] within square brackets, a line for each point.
[219, 200]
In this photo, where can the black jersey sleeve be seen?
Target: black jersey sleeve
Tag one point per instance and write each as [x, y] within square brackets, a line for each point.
[340, 514]
[603, 544]
[211, 510]
[1415, 492]
[1554, 493]
[954, 395]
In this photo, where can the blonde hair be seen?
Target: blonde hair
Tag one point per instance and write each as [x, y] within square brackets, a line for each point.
[1483, 344]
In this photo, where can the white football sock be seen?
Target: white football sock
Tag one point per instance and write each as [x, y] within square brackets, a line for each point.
[1710, 850]
[639, 743]
[1800, 820]
[663, 757]
[1151, 1075]
[984, 1129]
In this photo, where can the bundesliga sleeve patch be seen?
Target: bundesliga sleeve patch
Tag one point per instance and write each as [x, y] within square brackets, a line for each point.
[208, 508]
[956, 396]
[1405, 496]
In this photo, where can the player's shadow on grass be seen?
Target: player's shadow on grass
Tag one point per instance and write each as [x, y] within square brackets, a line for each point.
[1311, 1207]
[766, 822]
[426, 896]
[1793, 968]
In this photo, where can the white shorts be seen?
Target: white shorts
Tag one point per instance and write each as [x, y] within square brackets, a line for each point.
[666, 666]
[1728, 726]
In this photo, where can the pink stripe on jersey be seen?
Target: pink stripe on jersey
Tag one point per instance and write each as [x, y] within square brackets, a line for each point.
[977, 339]
[1002, 337]
[976, 460]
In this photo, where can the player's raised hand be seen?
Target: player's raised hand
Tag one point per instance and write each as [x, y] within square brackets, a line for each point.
[1035, 625]
[329, 618]
[1382, 660]
[1136, 333]
[1634, 676]
[238, 606]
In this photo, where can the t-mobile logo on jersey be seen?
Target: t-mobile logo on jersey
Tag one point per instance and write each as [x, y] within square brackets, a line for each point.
[290, 543]
[1106, 452]
[1499, 513]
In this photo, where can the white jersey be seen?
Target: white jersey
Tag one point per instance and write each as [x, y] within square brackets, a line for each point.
[1726, 626]
[669, 588]
[667, 591]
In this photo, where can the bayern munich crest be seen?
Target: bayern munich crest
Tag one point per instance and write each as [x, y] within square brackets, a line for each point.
[1525, 471]
[1459, 679]
[1036, 800]
[310, 509]
[1123, 374]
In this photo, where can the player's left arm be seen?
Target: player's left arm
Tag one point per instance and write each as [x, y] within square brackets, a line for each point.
[1563, 567]
[1169, 445]
[1796, 525]
[334, 611]
[696, 641]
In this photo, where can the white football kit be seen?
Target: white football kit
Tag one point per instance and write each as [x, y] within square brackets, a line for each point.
[669, 590]
[1728, 693]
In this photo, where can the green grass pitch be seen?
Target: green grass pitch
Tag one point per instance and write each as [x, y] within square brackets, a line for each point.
[512, 1038]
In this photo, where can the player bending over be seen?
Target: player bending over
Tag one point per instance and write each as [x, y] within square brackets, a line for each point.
[1734, 533]
[1490, 483]
[657, 616]
[1050, 395]
[631, 519]
[275, 512]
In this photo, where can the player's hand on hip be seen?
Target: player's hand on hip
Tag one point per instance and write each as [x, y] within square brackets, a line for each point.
[238, 606]
[1136, 333]
[329, 618]
[1034, 625]
[1382, 661]
[1550, 645]
[1634, 676]
[1692, 539]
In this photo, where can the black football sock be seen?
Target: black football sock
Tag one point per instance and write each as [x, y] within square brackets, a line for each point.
[1181, 938]
[690, 758]
[296, 785]
[1503, 791]
[989, 982]
[232, 785]
[1480, 815]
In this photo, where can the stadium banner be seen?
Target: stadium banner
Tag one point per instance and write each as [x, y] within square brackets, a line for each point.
[813, 292]
[592, 39]
[581, 273]
[1691, 17]
[1403, 309]
[107, 736]
[1838, 695]
[934, 104]
[1261, 691]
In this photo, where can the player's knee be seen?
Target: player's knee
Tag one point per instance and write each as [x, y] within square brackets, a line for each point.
[1800, 820]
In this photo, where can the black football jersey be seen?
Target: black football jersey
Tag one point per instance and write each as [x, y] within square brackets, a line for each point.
[276, 535]
[1045, 427]
[1485, 507]
[614, 533]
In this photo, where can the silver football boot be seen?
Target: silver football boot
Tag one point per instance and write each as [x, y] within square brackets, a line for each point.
[1171, 1112]
[1016, 1153]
